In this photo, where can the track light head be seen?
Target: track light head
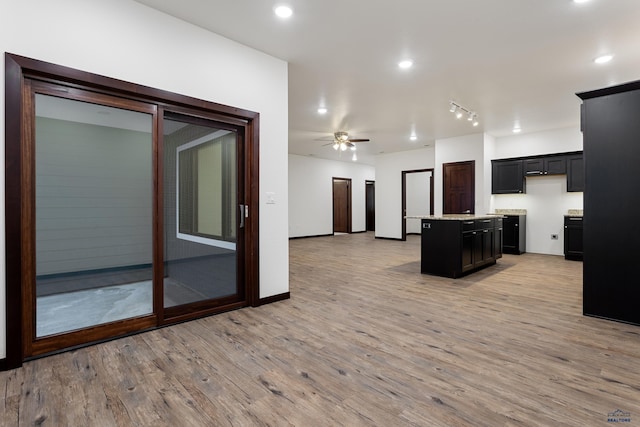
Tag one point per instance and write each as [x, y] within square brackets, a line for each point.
[460, 111]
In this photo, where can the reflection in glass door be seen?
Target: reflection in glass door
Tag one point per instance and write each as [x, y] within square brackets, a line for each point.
[93, 199]
[200, 209]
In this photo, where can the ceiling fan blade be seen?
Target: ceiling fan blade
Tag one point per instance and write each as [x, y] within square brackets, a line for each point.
[359, 140]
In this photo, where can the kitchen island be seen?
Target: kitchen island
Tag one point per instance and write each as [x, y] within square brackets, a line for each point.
[455, 245]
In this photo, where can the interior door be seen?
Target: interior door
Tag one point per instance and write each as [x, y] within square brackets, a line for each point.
[459, 187]
[370, 201]
[341, 205]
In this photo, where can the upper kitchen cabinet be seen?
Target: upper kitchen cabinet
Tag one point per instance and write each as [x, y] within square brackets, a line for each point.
[575, 173]
[611, 131]
[548, 165]
[507, 176]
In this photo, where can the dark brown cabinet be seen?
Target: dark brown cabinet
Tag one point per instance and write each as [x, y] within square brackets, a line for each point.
[611, 131]
[514, 239]
[573, 240]
[452, 248]
[551, 165]
[575, 173]
[507, 177]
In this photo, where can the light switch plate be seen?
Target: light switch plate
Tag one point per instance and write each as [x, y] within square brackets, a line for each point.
[271, 198]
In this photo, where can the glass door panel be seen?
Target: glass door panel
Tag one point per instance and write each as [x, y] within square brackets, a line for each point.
[93, 198]
[200, 208]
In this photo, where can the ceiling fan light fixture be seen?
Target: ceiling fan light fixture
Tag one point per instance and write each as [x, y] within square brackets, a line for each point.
[353, 147]
[343, 146]
[336, 145]
[341, 136]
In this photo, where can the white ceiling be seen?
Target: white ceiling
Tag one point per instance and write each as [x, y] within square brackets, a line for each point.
[508, 60]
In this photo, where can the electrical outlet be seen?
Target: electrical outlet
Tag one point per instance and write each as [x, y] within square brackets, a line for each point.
[554, 237]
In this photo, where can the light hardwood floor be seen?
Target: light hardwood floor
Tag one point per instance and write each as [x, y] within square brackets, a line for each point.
[364, 340]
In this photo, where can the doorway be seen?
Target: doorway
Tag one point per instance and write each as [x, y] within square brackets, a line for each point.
[341, 205]
[370, 205]
[417, 198]
[459, 187]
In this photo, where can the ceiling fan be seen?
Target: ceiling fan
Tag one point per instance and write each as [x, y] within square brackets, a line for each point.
[341, 141]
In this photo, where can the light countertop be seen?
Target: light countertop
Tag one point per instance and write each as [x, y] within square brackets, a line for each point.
[455, 217]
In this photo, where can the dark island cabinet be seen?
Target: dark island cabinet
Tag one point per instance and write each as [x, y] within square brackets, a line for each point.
[452, 248]
[575, 173]
[507, 177]
[611, 135]
[514, 239]
[573, 241]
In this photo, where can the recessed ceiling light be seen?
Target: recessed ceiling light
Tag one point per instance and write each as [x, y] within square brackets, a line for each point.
[407, 63]
[284, 11]
[603, 59]
[580, 1]
[322, 110]
[517, 129]
[413, 137]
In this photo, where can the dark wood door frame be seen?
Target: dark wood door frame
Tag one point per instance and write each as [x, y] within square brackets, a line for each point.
[348, 202]
[370, 206]
[19, 221]
[404, 197]
[471, 189]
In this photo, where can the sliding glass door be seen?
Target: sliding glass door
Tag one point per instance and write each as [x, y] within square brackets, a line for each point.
[201, 212]
[132, 216]
[93, 211]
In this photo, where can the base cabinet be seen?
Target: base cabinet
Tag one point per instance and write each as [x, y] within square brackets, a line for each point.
[452, 248]
[515, 234]
[573, 238]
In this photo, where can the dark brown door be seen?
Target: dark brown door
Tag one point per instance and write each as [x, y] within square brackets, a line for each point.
[459, 187]
[341, 205]
[370, 201]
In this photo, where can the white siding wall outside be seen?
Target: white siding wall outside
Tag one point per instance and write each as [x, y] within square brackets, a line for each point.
[93, 197]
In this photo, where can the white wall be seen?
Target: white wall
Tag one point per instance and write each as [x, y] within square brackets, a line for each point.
[389, 169]
[461, 149]
[126, 40]
[546, 199]
[311, 194]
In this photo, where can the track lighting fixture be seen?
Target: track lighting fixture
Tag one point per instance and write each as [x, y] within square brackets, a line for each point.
[460, 111]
